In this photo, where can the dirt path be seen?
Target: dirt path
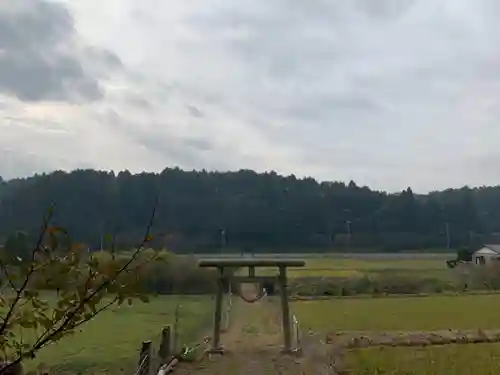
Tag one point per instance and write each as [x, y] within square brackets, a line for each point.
[253, 345]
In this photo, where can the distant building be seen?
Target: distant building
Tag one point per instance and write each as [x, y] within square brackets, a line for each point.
[486, 255]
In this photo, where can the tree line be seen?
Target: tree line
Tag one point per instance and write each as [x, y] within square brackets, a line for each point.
[200, 211]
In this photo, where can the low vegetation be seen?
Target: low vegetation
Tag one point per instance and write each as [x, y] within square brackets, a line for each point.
[110, 343]
[331, 276]
[475, 359]
[53, 289]
[400, 314]
[374, 285]
[57, 287]
[419, 317]
[385, 263]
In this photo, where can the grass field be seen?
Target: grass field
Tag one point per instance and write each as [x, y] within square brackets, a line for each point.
[433, 313]
[111, 342]
[474, 359]
[411, 313]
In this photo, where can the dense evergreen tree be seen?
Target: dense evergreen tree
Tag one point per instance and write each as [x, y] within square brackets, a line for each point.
[200, 211]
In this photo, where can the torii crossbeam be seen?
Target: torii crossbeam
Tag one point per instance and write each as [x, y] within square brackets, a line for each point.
[251, 264]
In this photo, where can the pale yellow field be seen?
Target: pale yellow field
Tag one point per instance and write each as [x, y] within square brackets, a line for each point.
[341, 267]
[325, 272]
[311, 272]
[377, 264]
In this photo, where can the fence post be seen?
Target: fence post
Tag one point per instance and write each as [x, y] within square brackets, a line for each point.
[175, 340]
[227, 312]
[166, 339]
[216, 347]
[297, 332]
[144, 367]
[285, 309]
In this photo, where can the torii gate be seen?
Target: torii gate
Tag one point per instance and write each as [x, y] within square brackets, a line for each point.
[280, 279]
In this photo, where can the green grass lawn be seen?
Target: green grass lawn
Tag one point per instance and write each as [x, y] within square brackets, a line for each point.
[417, 313]
[474, 359]
[111, 341]
[408, 314]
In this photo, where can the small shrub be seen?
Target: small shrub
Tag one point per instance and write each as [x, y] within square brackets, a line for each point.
[486, 277]
[384, 283]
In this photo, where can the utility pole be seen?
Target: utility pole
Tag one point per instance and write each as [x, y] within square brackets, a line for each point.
[348, 213]
[348, 227]
[330, 234]
[447, 231]
[222, 240]
[102, 235]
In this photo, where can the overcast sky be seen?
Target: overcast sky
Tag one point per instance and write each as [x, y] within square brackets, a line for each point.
[388, 93]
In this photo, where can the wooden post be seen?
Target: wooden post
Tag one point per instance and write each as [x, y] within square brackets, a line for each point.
[297, 333]
[175, 340]
[285, 310]
[166, 339]
[218, 313]
[144, 367]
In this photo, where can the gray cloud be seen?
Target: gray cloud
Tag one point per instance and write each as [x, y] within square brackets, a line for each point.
[159, 137]
[199, 144]
[385, 9]
[388, 93]
[39, 58]
[194, 111]
[185, 152]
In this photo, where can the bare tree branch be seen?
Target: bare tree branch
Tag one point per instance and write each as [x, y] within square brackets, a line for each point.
[74, 315]
[19, 292]
[41, 342]
[71, 314]
[4, 269]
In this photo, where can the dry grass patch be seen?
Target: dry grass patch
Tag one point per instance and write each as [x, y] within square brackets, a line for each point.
[375, 264]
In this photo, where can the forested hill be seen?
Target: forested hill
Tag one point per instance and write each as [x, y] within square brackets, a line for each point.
[244, 210]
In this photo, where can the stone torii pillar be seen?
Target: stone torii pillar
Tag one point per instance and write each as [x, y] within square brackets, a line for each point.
[251, 264]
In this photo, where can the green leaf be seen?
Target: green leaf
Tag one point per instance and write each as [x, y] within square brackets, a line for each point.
[56, 230]
[59, 313]
[53, 241]
[30, 293]
[92, 306]
[46, 322]
[56, 336]
[26, 324]
[88, 316]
